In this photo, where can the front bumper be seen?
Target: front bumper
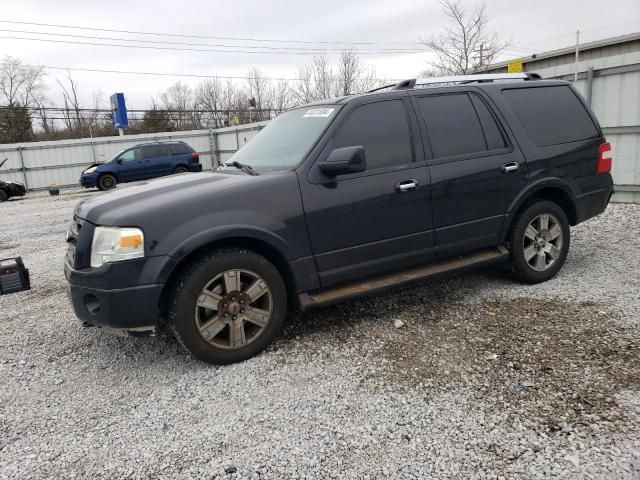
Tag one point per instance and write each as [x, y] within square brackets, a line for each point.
[89, 180]
[132, 309]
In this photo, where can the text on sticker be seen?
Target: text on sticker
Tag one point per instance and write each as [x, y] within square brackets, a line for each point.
[318, 112]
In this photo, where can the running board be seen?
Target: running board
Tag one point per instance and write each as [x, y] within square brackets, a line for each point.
[365, 287]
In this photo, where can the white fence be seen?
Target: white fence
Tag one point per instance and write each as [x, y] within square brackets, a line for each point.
[38, 164]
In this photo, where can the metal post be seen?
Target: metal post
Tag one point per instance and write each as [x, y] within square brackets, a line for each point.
[589, 88]
[575, 75]
[24, 170]
[93, 148]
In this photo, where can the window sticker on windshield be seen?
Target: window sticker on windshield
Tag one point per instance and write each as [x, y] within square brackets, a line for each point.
[318, 112]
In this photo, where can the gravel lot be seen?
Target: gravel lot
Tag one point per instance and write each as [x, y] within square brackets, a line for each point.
[485, 378]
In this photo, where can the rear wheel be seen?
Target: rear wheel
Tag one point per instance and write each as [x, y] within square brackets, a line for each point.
[180, 169]
[539, 242]
[227, 306]
[3, 196]
[106, 182]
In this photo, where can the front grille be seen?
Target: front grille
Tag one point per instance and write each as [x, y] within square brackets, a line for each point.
[78, 242]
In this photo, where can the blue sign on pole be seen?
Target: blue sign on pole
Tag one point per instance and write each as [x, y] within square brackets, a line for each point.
[119, 111]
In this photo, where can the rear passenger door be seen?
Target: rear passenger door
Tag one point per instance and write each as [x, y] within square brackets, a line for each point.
[476, 172]
[157, 161]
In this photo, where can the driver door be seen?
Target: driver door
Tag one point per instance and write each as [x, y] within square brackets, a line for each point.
[130, 165]
[366, 223]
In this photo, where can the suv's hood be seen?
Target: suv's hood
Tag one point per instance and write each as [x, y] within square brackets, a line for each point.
[149, 197]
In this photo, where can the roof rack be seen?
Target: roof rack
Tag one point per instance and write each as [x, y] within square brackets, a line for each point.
[476, 78]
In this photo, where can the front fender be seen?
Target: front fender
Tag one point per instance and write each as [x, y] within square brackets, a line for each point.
[211, 235]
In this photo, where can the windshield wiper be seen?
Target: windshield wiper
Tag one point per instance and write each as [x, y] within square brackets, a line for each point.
[244, 167]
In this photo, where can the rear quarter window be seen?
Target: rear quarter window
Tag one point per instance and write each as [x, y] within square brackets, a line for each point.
[551, 115]
[178, 148]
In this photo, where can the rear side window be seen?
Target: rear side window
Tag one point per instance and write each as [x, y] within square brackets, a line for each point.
[178, 148]
[453, 123]
[491, 130]
[382, 129]
[153, 151]
[551, 115]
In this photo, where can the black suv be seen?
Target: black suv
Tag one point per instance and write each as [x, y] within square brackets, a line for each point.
[342, 198]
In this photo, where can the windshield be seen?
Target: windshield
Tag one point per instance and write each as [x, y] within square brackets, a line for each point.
[285, 141]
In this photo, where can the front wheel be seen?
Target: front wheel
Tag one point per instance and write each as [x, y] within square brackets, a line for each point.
[539, 242]
[3, 196]
[106, 182]
[227, 306]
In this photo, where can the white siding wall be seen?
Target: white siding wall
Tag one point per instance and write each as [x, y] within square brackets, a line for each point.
[62, 161]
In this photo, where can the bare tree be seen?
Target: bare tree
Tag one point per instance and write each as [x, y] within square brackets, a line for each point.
[20, 84]
[353, 76]
[208, 97]
[180, 101]
[304, 91]
[467, 45]
[71, 115]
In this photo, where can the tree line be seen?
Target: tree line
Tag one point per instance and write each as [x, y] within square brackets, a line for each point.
[28, 115]
[466, 45]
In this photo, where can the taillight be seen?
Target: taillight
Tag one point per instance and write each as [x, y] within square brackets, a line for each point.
[195, 157]
[604, 158]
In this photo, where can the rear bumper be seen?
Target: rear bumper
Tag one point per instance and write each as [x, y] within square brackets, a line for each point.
[195, 167]
[592, 204]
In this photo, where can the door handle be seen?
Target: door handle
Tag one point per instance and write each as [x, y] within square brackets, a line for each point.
[406, 186]
[510, 167]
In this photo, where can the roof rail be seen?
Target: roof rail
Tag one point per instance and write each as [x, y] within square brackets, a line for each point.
[476, 78]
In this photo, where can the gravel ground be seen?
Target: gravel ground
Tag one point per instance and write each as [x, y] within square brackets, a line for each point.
[484, 378]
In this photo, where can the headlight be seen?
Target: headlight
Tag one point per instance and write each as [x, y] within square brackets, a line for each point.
[111, 244]
[90, 170]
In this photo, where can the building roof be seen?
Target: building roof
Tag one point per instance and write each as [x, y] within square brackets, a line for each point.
[583, 47]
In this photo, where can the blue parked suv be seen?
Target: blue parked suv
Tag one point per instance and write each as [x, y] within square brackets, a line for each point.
[142, 162]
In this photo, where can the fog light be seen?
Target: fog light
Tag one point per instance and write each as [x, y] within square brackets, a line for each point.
[14, 277]
[92, 304]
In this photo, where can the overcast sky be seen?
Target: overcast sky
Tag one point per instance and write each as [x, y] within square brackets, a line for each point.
[387, 24]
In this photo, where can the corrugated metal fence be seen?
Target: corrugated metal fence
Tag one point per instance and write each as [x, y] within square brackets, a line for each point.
[38, 164]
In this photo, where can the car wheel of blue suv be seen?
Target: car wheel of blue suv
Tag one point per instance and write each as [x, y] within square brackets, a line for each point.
[106, 181]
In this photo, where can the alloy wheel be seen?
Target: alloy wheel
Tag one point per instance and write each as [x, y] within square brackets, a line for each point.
[542, 242]
[233, 309]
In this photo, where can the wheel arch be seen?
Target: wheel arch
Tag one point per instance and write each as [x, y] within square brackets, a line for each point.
[258, 245]
[180, 165]
[102, 174]
[555, 191]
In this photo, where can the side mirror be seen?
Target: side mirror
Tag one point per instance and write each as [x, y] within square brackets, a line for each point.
[344, 160]
[119, 161]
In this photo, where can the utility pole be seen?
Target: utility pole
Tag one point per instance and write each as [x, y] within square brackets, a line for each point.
[481, 52]
[575, 74]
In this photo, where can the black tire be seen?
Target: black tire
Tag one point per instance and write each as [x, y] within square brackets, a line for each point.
[180, 169]
[106, 181]
[183, 312]
[3, 196]
[528, 271]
